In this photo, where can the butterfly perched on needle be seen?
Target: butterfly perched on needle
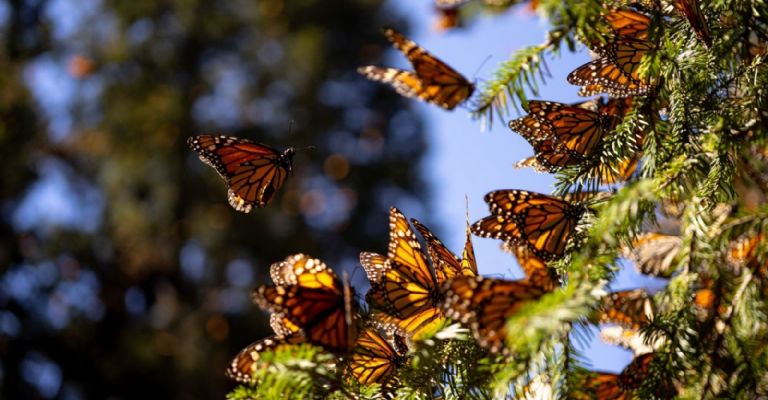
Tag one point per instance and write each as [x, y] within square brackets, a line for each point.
[380, 351]
[562, 134]
[432, 80]
[540, 222]
[248, 360]
[254, 172]
[405, 290]
[615, 70]
[485, 304]
[309, 296]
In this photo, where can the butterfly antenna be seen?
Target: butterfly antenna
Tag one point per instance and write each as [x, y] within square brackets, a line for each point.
[290, 127]
[305, 148]
[474, 75]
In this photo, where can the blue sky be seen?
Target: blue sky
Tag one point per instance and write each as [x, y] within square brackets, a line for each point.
[463, 162]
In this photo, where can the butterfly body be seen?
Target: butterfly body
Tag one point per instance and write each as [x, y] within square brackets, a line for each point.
[253, 171]
[432, 80]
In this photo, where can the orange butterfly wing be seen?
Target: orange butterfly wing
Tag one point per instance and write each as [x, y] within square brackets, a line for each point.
[543, 223]
[485, 304]
[377, 355]
[432, 81]
[402, 284]
[253, 171]
[308, 294]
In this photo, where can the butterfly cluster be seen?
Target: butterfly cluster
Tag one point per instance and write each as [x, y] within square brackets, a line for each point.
[415, 290]
[412, 292]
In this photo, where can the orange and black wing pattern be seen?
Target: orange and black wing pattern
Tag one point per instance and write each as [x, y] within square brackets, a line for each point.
[309, 296]
[468, 259]
[402, 284]
[604, 75]
[432, 80]
[537, 273]
[444, 262]
[485, 304]
[562, 135]
[378, 354]
[248, 360]
[610, 386]
[615, 70]
[628, 23]
[629, 308]
[253, 171]
[540, 222]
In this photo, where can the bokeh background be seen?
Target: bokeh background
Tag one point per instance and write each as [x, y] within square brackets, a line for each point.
[123, 271]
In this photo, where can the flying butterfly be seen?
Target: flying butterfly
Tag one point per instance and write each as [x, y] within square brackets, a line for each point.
[379, 352]
[253, 171]
[485, 304]
[629, 308]
[542, 223]
[610, 386]
[432, 80]
[403, 286]
[309, 296]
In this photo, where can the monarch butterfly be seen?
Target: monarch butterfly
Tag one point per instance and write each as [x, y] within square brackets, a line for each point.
[485, 304]
[576, 129]
[542, 223]
[743, 253]
[537, 273]
[253, 171]
[614, 72]
[629, 308]
[432, 80]
[444, 262]
[654, 253]
[402, 284]
[379, 352]
[246, 362]
[609, 386]
[310, 297]
[691, 10]
[628, 23]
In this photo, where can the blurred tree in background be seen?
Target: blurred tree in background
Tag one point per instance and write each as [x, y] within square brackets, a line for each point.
[123, 271]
